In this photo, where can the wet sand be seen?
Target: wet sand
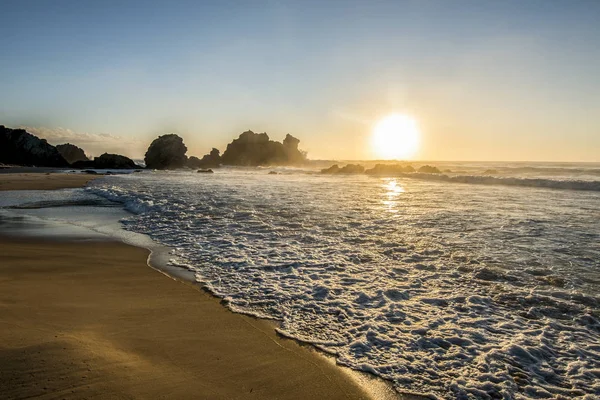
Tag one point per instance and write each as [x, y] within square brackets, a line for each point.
[90, 319]
[42, 181]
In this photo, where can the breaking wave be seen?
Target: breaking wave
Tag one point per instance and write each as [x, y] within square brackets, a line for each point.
[509, 181]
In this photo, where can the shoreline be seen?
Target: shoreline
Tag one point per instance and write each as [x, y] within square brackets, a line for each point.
[275, 366]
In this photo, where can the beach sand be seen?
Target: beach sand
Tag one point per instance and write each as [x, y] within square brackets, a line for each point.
[42, 181]
[90, 319]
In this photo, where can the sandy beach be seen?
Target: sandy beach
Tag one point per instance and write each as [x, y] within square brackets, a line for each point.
[90, 319]
[42, 181]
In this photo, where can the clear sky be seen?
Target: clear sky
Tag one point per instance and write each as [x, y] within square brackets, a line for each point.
[486, 80]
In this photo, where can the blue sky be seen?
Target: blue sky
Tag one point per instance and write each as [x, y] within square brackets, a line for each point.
[486, 80]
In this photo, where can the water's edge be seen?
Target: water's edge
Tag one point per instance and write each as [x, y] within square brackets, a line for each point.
[159, 259]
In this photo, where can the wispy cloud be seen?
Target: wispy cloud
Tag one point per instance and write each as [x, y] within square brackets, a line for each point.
[93, 144]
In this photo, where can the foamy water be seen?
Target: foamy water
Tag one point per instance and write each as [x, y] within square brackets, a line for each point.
[448, 289]
[455, 290]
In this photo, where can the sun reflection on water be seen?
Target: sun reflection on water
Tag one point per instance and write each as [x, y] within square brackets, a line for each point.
[392, 190]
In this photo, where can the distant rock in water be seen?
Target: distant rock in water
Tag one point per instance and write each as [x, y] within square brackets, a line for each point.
[19, 147]
[389, 169]
[166, 152]
[71, 153]
[348, 169]
[206, 171]
[490, 172]
[334, 169]
[254, 149]
[211, 160]
[428, 169]
[107, 161]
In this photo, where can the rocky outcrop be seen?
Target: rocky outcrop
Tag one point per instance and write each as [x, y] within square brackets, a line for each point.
[107, 161]
[389, 170]
[428, 169]
[348, 169]
[71, 153]
[166, 152]
[255, 149]
[19, 147]
[210, 160]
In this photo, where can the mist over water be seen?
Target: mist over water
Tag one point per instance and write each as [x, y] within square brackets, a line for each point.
[444, 288]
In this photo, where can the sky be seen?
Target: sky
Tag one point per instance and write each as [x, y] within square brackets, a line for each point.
[485, 80]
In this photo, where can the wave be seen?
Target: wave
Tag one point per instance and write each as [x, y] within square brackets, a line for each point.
[593, 186]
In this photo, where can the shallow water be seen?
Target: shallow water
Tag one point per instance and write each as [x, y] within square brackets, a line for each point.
[448, 289]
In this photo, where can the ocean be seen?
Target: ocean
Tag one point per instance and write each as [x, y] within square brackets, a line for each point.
[482, 282]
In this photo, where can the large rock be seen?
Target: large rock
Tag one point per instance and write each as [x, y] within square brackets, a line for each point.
[254, 149]
[210, 160]
[389, 169]
[348, 169]
[428, 169]
[108, 161]
[19, 147]
[166, 152]
[71, 153]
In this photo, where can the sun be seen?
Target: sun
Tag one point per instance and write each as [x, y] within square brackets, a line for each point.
[396, 137]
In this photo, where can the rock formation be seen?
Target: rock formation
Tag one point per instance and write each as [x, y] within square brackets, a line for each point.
[389, 169]
[210, 160]
[19, 147]
[108, 161]
[348, 169]
[166, 152]
[71, 153]
[428, 169]
[254, 149]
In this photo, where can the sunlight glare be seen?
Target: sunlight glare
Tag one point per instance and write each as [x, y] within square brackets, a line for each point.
[396, 137]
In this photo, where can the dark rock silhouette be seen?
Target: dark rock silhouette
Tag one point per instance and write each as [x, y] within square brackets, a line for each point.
[193, 162]
[334, 169]
[206, 171]
[107, 161]
[19, 147]
[254, 149]
[71, 153]
[389, 169]
[428, 169]
[166, 152]
[348, 169]
[210, 160]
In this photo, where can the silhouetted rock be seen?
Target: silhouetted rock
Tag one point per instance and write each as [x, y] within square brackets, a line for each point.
[206, 171]
[19, 147]
[193, 162]
[210, 160]
[166, 152]
[71, 153]
[334, 169]
[254, 149]
[89, 171]
[348, 169]
[428, 169]
[389, 169]
[352, 169]
[273, 173]
[107, 161]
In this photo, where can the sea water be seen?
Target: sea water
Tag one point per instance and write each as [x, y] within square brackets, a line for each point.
[481, 283]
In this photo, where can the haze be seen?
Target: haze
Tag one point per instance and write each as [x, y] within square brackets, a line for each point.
[485, 80]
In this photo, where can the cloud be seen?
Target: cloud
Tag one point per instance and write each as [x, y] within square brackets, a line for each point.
[93, 144]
